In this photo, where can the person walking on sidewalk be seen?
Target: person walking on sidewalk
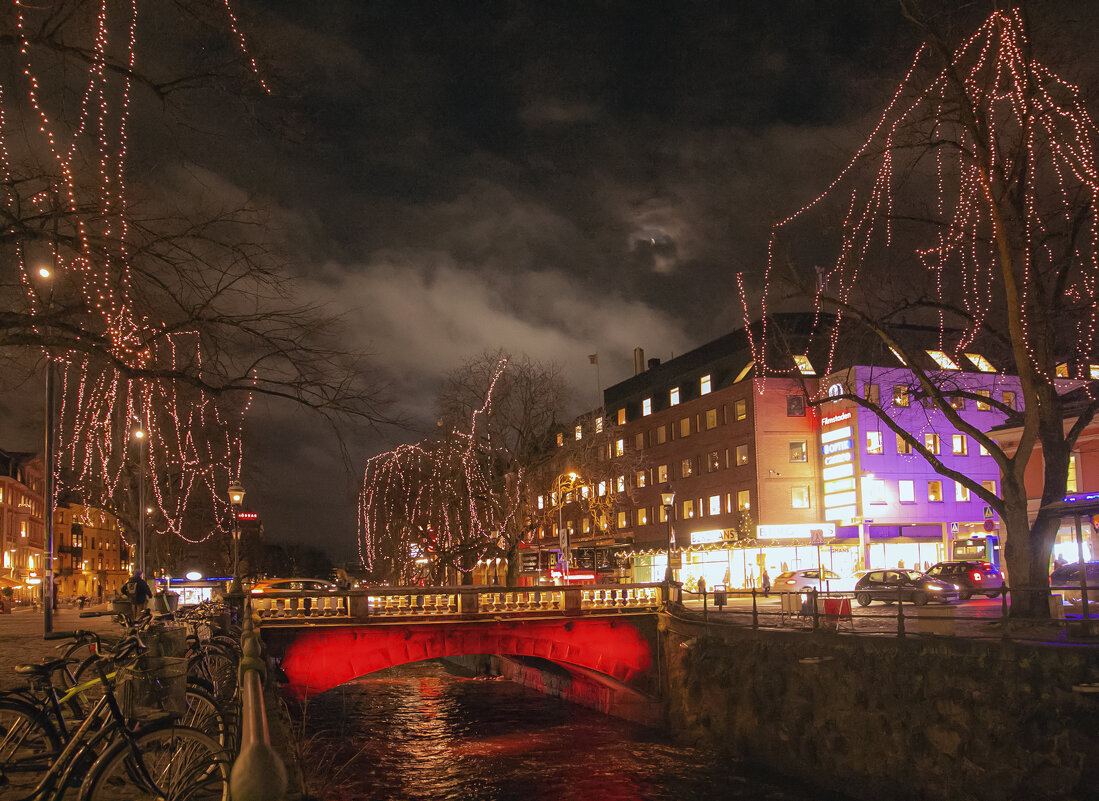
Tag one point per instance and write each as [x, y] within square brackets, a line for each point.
[766, 583]
[137, 592]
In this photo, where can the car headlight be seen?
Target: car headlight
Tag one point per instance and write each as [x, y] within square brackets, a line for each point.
[933, 588]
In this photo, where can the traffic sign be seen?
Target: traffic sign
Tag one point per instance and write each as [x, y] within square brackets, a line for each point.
[988, 513]
[989, 525]
[953, 528]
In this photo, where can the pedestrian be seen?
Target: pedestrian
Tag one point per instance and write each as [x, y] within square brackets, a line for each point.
[766, 583]
[99, 590]
[56, 595]
[702, 586]
[137, 592]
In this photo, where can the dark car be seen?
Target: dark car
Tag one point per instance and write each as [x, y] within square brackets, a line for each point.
[1065, 580]
[971, 578]
[907, 585]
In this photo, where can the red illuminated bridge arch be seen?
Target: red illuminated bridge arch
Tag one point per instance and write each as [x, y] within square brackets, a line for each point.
[317, 659]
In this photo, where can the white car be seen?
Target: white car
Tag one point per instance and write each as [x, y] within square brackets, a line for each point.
[810, 579]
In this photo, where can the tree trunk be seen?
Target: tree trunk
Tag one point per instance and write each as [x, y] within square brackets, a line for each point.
[1025, 577]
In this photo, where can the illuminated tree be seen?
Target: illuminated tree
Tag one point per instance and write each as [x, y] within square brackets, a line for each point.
[970, 210]
[165, 312]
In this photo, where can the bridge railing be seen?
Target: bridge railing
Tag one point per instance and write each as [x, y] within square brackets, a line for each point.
[433, 602]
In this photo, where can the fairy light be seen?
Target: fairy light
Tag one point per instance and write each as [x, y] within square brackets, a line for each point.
[1012, 98]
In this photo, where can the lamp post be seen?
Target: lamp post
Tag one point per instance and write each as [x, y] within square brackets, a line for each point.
[236, 498]
[139, 435]
[667, 497]
[48, 489]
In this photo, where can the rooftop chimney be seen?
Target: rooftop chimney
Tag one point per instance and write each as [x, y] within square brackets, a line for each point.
[638, 361]
[654, 363]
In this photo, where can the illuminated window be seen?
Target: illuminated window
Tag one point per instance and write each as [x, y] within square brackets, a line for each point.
[639, 440]
[704, 385]
[711, 418]
[989, 485]
[643, 517]
[7, 559]
[961, 491]
[619, 447]
[585, 526]
[1070, 485]
[943, 360]
[584, 492]
[743, 500]
[578, 432]
[685, 427]
[805, 367]
[622, 520]
[560, 439]
[646, 407]
[1009, 399]
[598, 425]
[906, 491]
[661, 435]
[799, 497]
[874, 490]
[621, 417]
[935, 491]
[871, 393]
[795, 406]
[957, 403]
[673, 396]
[662, 513]
[642, 478]
[980, 362]
[982, 405]
[23, 528]
[713, 462]
[900, 395]
[873, 442]
[742, 454]
[686, 468]
[662, 474]
[541, 502]
[602, 488]
[982, 450]
[931, 442]
[1062, 371]
[903, 445]
[715, 504]
[798, 451]
[688, 509]
[740, 410]
[620, 483]
[1093, 371]
[961, 444]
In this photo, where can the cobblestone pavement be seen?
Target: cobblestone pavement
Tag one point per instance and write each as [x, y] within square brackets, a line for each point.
[21, 637]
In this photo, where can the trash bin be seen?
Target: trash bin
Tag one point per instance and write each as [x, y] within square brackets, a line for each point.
[720, 595]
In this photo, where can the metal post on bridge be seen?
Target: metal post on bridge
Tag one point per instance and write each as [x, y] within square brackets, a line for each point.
[755, 611]
[258, 773]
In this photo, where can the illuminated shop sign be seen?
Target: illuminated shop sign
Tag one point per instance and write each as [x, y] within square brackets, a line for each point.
[837, 458]
[703, 537]
[839, 433]
[835, 418]
[795, 531]
[837, 446]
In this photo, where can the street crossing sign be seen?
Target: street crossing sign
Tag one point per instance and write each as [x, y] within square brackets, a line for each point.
[988, 513]
[953, 528]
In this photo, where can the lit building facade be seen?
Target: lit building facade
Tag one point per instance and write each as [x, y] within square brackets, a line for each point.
[22, 531]
[91, 552]
[885, 496]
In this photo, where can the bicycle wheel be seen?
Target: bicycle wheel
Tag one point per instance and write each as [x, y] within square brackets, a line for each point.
[166, 762]
[28, 745]
[204, 714]
[219, 669]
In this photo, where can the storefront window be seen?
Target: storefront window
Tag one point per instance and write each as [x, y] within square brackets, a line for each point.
[688, 509]
[799, 498]
[798, 452]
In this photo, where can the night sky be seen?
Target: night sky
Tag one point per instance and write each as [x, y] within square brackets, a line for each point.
[555, 178]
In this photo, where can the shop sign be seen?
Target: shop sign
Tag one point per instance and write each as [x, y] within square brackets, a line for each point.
[837, 433]
[704, 537]
[837, 446]
[796, 531]
[835, 418]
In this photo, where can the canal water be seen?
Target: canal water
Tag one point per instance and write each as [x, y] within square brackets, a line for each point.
[421, 733]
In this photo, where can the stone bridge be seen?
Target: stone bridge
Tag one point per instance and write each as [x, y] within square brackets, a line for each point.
[595, 645]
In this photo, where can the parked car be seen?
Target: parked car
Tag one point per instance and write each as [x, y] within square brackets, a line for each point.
[907, 585]
[1065, 580]
[292, 585]
[971, 578]
[810, 579]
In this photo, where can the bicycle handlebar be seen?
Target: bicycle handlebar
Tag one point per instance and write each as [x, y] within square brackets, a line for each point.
[62, 635]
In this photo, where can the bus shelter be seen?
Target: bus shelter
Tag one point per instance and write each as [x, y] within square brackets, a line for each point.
[1079, 508]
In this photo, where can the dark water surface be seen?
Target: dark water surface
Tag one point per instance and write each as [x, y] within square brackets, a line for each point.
[418, 732]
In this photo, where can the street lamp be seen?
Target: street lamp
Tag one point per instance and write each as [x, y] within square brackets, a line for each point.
[49, 490]
[667, 497]
[139, 435]
[236, 498]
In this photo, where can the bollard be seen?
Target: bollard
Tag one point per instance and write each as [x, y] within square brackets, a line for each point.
[755, 611]
[816, 612]
[900, 614]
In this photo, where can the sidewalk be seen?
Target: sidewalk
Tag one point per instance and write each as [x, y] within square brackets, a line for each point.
[21, 637]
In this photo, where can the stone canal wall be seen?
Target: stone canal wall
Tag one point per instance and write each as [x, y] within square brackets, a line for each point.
[886, 718]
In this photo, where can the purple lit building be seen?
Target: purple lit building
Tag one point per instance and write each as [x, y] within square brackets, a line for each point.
[885, 496]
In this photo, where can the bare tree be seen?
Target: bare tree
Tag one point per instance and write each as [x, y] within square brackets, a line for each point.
[970, 210]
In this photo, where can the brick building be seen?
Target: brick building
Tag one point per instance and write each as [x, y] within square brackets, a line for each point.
[22, 531]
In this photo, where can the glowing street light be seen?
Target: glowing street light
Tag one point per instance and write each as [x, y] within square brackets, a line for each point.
[236, 498]
[667, 497]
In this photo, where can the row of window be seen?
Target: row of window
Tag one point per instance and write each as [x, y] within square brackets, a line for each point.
[959, 444]
[902, 398]
[876, 490]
